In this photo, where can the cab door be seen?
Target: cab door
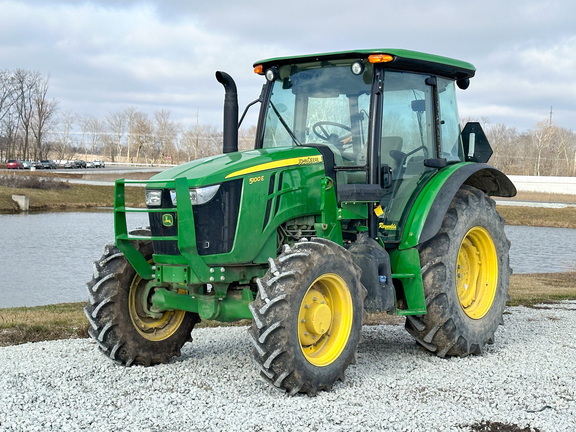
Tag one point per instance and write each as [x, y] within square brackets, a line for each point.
[407, 140]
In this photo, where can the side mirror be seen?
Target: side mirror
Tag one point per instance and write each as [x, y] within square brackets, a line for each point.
[476, 145]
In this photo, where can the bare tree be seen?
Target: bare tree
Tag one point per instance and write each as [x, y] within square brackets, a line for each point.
[565, 144]
[93, 130]
[62, 135]
[130, 113]
[201, 140]
[504, 142]
[165, 134]
[11, 130]
[246, 138]
[117, 125]
[7, 92]
[542, 136]
[26, 82]
[44, 111]
[141, 133]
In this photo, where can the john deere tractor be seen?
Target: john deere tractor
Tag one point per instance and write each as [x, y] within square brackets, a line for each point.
[362, 193]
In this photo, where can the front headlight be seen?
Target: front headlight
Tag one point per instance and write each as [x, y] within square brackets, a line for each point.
[153, 198]
[198, 195]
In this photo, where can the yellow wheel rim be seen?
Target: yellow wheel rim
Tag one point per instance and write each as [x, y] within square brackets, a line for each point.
[325, 319]
[157, 328]
[477, 273]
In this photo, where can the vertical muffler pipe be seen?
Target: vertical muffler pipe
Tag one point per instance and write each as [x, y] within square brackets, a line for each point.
[230, 131]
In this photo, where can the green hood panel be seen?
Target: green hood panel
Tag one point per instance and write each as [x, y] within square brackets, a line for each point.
[217, 169]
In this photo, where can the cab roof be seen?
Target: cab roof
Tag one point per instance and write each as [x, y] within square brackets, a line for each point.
[403, 59]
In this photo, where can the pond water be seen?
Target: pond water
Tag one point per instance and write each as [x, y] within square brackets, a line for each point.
[542, 250]
[47, 258]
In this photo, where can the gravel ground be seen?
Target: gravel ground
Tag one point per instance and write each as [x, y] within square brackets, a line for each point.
[526, 381]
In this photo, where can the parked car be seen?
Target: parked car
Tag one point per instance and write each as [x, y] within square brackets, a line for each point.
[37, 164]
[14, 164]
[99, 164]
[90, 165]
[48, 164]
[71, 164]
[80, 163]
[27, 164]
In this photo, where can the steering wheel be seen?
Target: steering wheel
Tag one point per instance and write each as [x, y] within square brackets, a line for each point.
[338, 140]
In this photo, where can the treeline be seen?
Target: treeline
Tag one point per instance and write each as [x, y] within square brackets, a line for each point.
[544, 150]
[132, 136]
[32, 126]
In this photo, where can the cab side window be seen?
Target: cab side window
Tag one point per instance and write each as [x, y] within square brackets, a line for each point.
[407, 123]
[450, 138]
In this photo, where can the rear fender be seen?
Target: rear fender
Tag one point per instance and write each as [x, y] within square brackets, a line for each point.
[429, 209]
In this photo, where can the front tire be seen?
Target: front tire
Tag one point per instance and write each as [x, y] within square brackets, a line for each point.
[118, 322]
[465, 271]
[307, 317]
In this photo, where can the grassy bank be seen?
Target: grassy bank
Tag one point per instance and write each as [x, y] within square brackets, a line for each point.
[33, 324]
[76, 196]
[539, 216]
[61, 321]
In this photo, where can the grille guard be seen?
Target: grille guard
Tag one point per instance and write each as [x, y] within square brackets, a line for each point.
[198, 271]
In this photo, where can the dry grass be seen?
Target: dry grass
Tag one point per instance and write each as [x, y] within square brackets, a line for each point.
[32, 182]
[33, 324]
[541, 197]
[61, 321]
[539, 216]
[529, 289]
[76, 196]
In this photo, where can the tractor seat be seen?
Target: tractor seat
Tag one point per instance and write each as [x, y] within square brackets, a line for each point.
[390, 144]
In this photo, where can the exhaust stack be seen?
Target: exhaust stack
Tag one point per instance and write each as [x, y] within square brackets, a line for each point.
[230, 131]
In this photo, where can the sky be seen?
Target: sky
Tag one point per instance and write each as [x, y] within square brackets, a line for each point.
[105, 56]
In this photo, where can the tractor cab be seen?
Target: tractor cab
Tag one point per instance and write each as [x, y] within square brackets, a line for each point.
[384, 123]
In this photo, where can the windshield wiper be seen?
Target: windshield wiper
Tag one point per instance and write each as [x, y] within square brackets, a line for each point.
[296, 141]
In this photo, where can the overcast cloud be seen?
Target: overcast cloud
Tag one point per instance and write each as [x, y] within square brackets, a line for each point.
[104, 56]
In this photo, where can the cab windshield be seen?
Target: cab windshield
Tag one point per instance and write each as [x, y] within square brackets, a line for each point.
[316, 103]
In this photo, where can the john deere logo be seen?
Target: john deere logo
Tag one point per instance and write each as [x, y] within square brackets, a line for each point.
[167, 220]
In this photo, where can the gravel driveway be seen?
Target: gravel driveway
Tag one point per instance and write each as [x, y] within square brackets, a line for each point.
[526, 381]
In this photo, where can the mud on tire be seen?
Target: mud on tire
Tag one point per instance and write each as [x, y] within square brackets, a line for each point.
[307, 317]
[118, 324]
[465, 270]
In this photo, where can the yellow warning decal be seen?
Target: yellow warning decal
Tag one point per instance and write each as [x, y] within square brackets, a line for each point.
[307, 160]
[378, 211]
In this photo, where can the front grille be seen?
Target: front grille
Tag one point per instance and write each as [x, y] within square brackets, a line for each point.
[157, 228]
[215, 222]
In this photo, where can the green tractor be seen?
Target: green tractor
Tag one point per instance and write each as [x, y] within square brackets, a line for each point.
[362, 194]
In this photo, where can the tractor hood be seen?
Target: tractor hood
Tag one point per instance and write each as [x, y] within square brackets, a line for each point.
[224, 167]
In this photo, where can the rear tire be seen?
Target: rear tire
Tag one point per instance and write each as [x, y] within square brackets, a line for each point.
[307, 317]
[117, 322]
[465, 270]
